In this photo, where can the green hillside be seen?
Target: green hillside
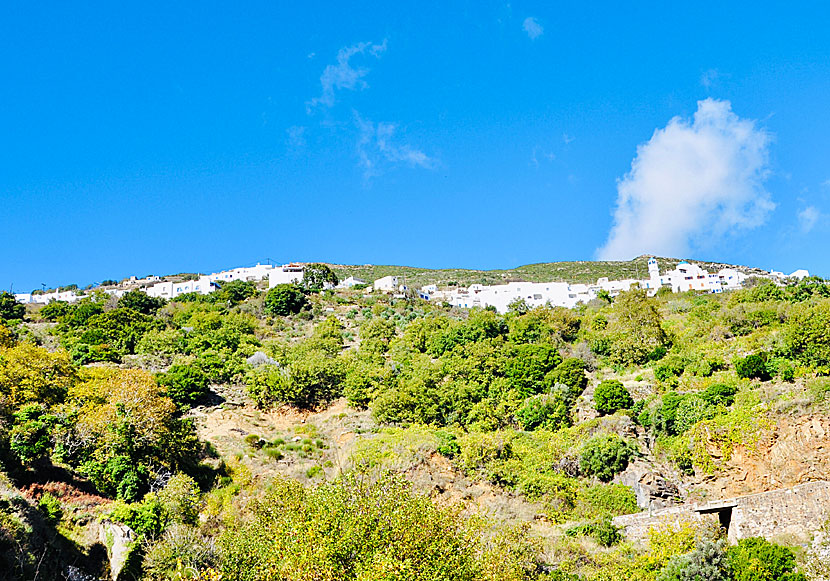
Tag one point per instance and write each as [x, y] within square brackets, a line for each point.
[577, 271]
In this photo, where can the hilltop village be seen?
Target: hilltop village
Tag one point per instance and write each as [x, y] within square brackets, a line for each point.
[684, 277]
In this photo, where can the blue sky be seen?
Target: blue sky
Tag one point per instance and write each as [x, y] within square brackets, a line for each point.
[166, 137]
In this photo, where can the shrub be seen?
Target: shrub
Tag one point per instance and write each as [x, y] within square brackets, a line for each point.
[605, 456]
[9, 307]
[611, 396]
[180, 551]
[357, 530]
[806, 336]
[720, 394]
[448, 444]
[570, 372]
[147, 518]
[753, 367]
[543, 411]
[691, 410]
[757, 559]
[708, 561]
[180, 499]
[309, 380]
[184, 384]
[50, 506]
[606, 533]
[284, 300]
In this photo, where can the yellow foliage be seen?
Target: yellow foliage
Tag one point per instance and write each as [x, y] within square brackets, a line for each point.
[6, 337]
[671, 539]
[32, 374]
[130, 395]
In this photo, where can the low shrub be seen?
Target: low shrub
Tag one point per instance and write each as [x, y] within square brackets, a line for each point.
[605, 456]
[611, 396]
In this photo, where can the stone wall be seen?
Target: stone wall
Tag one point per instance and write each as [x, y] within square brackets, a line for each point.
[790, 514]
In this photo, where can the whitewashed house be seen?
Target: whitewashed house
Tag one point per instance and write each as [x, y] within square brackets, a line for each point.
[286, 274]
[170, 290]
[350, 282]
[387, 284]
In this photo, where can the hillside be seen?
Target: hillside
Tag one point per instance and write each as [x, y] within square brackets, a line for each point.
[153, 439]
[581, 271]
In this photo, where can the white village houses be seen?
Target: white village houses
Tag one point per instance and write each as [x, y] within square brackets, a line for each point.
[684, 277]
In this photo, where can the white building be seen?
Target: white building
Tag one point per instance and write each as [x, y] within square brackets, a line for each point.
[244, 273]
[387, 284]
[350, 282]
[170, 290]
[535, 294]
[44, 298]
[286, 274]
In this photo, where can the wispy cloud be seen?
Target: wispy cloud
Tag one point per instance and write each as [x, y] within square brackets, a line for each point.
[296, 136]
[344, 75]
[378, 148]
[532, 27]
[545, 155]
[808, 218]
[692, 183]
[566, 139]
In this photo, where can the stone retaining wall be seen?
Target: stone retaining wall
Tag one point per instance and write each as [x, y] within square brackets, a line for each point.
[792, 513]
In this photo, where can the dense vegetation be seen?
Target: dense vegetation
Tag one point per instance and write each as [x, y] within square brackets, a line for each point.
[548, 405]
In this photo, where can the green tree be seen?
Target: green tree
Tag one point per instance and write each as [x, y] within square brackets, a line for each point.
[806, 336]
[10, 308]
[570, 372]
[611, 396]
[605, 456]
[753, 367]
[184, 384]
[757, 559]
[54, 310]
[141, 302]
[234, 292]
[543, 411]
[31, 434]
[284, 300]
[30, 374]
[637, 329]
[318, 276]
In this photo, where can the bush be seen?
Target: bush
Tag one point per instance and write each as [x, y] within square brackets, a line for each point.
[757, 559]
[308, 381]
[605, 456]
[357, 530]
[543, 411]
[691, 410]
[753, 367]
[140, 301]
[184, 384]
[51, 508]
[570, 372]
[284, 300]
[708, 561]
[806, 336]
[611, 396]
[10, 308]
[720, 394]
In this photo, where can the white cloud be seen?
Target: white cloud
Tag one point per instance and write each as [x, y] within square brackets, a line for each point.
[377, 148]
[344, 75]
[296, 136]
[692, 183]
[808, 218]
[532, 27]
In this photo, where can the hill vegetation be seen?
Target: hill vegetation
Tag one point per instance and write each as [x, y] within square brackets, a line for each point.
[579, 271]
[296, 434]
